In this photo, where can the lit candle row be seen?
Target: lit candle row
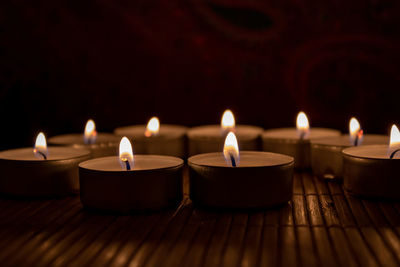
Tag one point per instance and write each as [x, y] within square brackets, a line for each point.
[228, 178]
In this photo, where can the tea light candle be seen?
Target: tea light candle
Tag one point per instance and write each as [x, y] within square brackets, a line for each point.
[42, 171]
[153, 138]
[326, 153]
[99, 144]
[295, 142]
[373, 170]
[254, 179]
[131, 183]
[210, 138]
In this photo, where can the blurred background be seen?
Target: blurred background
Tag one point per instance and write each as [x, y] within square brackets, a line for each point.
[186, 61]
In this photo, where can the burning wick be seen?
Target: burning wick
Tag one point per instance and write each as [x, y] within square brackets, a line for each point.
[228, 121]
[153, 127]
[42, 154]
[36, 151]
[40, 146]
[125, 153]
[90, 133]
[232, 160]
[358, 136]
[302, 125]
[128, 166]
[231, 149]
[394, 140]
[355, 132]
[394, 153]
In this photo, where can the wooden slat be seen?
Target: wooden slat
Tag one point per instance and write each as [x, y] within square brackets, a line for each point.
[217, 245]
[269, 246]
[286, 214]
[94, 249]
[20, 216]
[252, 240]
[233, 247]
[397, 206]
[321, 226]
[335, 187]
[314, 210]
[166, 240]
[306, 247]
[288, 255]
[40, 242]
[308, 184]
[321, 186]
[21, 210]
[196, 252]
[297, 184]
[324, 247]
[375, 213]
[180, 247]
[344, 253]
[142, 254]
[85, 238]
[358, 210]
[71, 234]
[344, 213]
[273, 216]
[392, 240]
[27, 236]
[360, 248]
[378, 246]
[329, 210]
[121, 241]
[300, 210]
[390, 213]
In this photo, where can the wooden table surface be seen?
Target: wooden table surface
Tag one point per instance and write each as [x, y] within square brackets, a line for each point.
[321, 226]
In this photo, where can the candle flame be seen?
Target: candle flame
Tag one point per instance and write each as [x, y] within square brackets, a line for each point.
[153, 127]
[356, 133]
[126, 153]
[90, 133]
[231, 150]
[303, 127]
[40, 149]
[394, 137]
[228, 120]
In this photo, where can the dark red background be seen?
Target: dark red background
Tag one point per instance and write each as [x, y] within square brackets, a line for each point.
[121, 62]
